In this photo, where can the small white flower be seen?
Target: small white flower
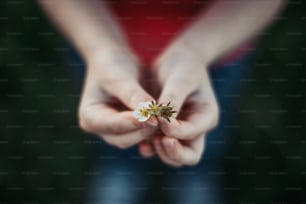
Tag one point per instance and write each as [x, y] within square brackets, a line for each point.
[142, 111]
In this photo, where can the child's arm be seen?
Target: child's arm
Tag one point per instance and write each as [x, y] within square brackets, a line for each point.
[227, 24]
[112, 71]
[182, 72]
[88, 24]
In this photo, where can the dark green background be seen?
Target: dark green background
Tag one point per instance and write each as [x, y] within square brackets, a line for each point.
[45, 158]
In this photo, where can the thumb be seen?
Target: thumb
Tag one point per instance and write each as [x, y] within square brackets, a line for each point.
[175, 90]
[130, 93]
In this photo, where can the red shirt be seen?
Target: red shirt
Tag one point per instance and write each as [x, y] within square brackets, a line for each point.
[150, 25]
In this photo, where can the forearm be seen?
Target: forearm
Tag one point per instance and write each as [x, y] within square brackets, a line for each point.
[88, 24]
[227, 24]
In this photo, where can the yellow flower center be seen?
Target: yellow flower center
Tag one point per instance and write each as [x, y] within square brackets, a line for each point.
[144, 112]
[155, 108]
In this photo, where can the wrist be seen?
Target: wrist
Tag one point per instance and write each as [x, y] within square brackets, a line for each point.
[110, 55]
[192, 51]
[180, 52]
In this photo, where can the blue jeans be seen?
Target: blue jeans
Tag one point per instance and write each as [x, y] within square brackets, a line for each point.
[122, 176]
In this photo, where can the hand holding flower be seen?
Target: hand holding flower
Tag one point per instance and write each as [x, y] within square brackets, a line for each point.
[107, 103]
[185, 82]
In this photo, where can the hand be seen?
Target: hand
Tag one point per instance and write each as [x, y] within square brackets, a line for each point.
[110, 92]
[185, 83]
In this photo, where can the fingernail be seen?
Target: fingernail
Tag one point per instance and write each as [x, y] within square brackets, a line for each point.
[152, 122]
[170, 143]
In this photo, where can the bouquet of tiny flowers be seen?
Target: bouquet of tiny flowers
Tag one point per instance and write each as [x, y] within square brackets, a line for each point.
[147, 109]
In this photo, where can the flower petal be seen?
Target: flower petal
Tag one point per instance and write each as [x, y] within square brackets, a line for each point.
[137, 111]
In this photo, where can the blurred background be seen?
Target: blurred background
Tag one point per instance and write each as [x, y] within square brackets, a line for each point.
[45, 157]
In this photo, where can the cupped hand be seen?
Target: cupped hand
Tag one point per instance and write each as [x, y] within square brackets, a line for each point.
[110, 94]
[184, 81]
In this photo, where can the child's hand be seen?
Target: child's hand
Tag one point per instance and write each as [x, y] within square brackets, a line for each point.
[110, 93]
[185, 83]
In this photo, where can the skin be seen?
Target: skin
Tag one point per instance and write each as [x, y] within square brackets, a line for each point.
[211, 36]
[113, 73]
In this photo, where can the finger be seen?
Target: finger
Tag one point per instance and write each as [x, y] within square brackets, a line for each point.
[104, 119]
[162, 153]
[203, 117]
[128, 91]
[146, 149]
[176, 89]
[184, 154]
[126, 140]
